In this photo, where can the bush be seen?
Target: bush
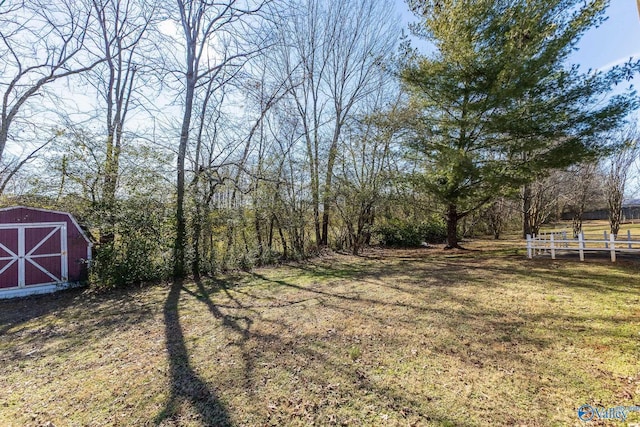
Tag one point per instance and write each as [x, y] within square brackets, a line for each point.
[140, 251]
[433, 231]
[411, 234]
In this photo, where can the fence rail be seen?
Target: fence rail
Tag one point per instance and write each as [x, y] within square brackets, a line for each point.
[558, 242]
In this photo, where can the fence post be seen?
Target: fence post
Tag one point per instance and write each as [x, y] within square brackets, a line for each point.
[553, 247]
[612, 239]
[529, 251]
[564, 237]
[581, 245]
[629, 237]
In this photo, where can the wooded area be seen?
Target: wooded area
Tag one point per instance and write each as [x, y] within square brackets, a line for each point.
[192, 137]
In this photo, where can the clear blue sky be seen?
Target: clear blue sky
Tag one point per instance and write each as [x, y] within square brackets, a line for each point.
[614, 41]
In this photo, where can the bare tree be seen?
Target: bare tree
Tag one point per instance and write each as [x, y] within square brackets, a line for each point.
[40, 42]
[12, 167]
[214, 36]
[364, 164]
[289, 207]
[332, 50]
[209, 159]
[582, 190]
[541, 199]
[500, 214]
[617, 167]
[266, 89]
[363, 173]
[119, 37]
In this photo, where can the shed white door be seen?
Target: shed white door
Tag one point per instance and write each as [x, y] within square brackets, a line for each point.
[33, 254]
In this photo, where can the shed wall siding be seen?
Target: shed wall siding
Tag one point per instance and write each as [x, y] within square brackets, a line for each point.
[78, 245]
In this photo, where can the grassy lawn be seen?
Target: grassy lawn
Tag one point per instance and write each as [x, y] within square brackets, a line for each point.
[596, 229]
[407, 337]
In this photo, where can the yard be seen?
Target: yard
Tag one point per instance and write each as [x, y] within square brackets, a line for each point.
[395, 337]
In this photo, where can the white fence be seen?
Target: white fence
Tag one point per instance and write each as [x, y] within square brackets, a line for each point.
[558, 242]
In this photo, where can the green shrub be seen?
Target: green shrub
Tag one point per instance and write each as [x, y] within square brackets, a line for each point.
[410, 234]
[434, 231]
[140, 251]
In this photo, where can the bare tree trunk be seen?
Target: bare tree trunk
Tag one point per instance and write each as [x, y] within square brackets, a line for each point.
[526, 210]
[496, 216]
[283, 240]
[258, 227]
[615, 211]
[197, 235]
[179, 247]
[270, 235]
[119, 36]
[619, 165]
[452, 218]
[315, 199]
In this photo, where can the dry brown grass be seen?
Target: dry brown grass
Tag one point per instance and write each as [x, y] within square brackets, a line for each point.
[406, 337]
[596, 229]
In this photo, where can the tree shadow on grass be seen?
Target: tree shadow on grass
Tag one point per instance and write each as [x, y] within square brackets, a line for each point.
[14, 312]
[186, 385]
[476, 335]
[69, 320]
[297, 355]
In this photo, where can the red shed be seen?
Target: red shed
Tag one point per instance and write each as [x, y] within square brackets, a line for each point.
[41, 251]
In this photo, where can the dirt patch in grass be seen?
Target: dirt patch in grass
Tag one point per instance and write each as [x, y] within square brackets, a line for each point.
[404, 337]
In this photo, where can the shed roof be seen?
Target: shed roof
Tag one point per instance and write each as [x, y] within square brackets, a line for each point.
[67, 214]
